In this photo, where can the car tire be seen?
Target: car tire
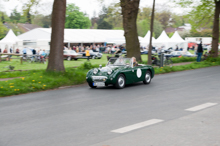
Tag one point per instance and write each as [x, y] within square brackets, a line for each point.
[120, 83]
[91, 85]
[69, 58]
[147, 78]
[75, 59]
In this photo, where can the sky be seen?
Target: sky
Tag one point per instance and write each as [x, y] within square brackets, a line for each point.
[87, 6]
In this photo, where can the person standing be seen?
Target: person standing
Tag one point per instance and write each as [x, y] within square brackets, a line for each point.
[199, 51]
[87, 54]
[34, 52]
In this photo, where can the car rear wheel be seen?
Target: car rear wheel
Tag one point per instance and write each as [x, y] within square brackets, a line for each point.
[69, 58]
[147, 78]
[75, 59]
[120, 83]
[91, 85]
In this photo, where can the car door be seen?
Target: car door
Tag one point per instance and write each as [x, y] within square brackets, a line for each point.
[138, 73]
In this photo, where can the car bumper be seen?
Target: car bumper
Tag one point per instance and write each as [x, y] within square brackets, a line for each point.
[104, 79]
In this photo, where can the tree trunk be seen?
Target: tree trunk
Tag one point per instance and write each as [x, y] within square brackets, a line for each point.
[57, 36]
[129, 13]
[151, 32]
[215, 33]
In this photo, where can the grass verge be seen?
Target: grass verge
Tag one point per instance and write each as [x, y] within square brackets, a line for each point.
[39, 80]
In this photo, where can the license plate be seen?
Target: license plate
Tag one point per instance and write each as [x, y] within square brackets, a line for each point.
[98, 84]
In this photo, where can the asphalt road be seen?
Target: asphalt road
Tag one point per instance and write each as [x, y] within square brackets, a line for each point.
[179, 109]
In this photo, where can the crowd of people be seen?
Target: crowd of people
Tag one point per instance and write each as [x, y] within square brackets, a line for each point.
[110, 49]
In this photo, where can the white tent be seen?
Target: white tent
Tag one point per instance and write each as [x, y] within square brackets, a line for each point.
[9, 41]
[176, 40]
[162, 40]
[74, 35]
[145, 41]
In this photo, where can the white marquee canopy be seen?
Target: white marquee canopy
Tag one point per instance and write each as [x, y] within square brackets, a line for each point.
[9, 40]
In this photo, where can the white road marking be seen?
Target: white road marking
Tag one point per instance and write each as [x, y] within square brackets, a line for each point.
[200, 107]
[137, 126]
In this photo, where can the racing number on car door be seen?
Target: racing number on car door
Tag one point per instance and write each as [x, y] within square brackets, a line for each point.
[136, 73]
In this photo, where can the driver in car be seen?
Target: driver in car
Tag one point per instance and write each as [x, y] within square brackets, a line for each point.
[134, 61]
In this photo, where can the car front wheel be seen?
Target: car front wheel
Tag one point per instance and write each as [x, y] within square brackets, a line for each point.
[147, 78]
[120, 83]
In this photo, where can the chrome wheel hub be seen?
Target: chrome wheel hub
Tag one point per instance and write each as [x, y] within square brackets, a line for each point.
[121, 81]
[147, 77]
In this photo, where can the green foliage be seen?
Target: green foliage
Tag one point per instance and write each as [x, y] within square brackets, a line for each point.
[193, 65]
[41, 20]
[202, 13]
[75, 18]
[104, 25]
[163, 17]
[170, 34]
[27, 9]
[158, 28]
[143, 26]
[32, 81]
[183, 59]
[3, 30]
[15, 16]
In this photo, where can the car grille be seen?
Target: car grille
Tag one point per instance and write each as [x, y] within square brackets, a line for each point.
[99, 78]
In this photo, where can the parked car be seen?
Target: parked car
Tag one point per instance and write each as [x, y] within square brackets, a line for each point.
[180, 53]
[71, 54]
[119, 72]
[145, 51]
[93, 54]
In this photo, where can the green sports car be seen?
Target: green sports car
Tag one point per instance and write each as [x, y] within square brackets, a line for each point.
[119, 72]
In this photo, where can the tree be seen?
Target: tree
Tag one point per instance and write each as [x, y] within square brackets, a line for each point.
[164, 18]
[57, 36]
[151, 32]
[203, 13]
[102, 21]
[129, 13]
[3, 30]
[41, 20]
[28, 9]
[215, 34]
[15, 16]
[75, 18]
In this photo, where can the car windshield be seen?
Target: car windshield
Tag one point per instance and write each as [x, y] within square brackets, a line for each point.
[120, 62]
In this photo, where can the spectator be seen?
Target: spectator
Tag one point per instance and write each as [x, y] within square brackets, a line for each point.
[199, 51]
[17, 51]
[24, 51]
[177, 49]
[77, 49]
[10, 50]
[5, 51]
[87, 54]
[112, 50]
[34, 52]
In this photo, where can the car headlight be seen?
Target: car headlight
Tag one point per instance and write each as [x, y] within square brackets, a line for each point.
[109, 72]
[95, 71]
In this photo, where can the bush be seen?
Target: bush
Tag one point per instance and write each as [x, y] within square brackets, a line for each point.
[183, 59]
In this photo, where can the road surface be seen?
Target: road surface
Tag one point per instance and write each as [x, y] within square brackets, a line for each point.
[176, 109]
